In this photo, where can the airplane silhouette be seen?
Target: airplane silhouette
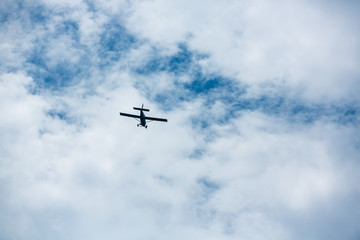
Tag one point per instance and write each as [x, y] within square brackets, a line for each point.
[141, 117]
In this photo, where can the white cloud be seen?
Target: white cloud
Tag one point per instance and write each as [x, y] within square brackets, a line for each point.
[72, 168]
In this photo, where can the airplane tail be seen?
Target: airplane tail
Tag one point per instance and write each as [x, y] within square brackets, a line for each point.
[142, 109]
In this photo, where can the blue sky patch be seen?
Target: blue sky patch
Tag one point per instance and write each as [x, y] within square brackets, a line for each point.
[182, 62]
[115, 41]
[37, 13]
[62, 115]
[70, 28]
[66, 117]
[56, 74]
[208, 185]
[197, 154]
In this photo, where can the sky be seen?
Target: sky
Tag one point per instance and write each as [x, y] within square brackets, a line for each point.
[261, 97]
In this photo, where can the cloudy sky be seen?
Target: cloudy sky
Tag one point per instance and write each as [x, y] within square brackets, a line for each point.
[262, 99]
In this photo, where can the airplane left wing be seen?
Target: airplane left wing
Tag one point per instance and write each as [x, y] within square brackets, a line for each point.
[156, 119]
[129, 115]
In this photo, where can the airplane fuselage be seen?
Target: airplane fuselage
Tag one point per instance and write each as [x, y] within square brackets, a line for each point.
[142, 119]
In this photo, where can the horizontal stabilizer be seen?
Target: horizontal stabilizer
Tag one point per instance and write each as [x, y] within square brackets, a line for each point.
[144, 109]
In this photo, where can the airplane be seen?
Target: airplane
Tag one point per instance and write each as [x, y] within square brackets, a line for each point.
[142, 117]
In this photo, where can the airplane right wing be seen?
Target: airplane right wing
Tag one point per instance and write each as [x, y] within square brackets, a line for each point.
[129, 115]
[156, 119]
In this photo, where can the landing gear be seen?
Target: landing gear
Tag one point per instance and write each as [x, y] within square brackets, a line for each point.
[145, 126]
[137, 125]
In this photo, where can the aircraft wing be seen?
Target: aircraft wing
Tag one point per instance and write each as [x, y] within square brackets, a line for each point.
[129, 115]
[156, 119]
